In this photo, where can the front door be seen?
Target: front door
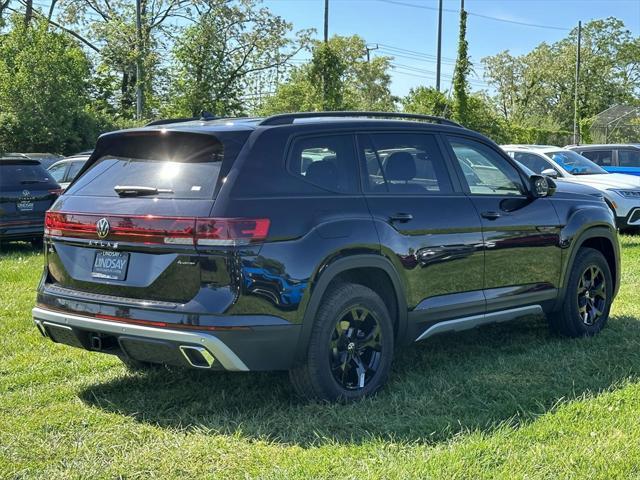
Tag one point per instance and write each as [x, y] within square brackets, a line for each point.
[520, 234]
[428, 227]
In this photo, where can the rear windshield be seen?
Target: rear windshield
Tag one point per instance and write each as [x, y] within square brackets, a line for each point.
[187, 166]
[17, 175]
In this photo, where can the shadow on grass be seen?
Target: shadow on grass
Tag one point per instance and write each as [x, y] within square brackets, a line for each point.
[19, 248]
[447, 385]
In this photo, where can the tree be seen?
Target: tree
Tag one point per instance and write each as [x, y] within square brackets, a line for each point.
[337, 78]
[108, 27]
[427, 101]
[462, 71]
[43, 90]
[219, 57]
[537, 89]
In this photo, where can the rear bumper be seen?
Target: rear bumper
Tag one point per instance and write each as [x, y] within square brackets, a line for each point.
[20, 232]
[261, 348]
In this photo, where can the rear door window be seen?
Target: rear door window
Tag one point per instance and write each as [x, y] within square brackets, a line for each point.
[404, 163]
[58, 172]
[327, 161]
[601, 157]
[74, 168]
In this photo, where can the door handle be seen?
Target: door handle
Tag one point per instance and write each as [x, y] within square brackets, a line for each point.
[401, 217]
[490, 215]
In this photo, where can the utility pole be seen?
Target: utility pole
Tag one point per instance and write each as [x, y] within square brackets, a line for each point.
[326, 21]
[438, 61]
[369, 50]
[576, 129]
[139, 91]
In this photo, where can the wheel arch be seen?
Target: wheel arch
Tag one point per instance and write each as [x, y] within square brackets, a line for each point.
[601, 238]
[372, 271]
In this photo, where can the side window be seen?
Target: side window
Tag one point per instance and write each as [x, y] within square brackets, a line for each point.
[404, 163]
[74, 168]
[325, 161]
[601, 157]
[485, 170]
[533, 162]
[629, 158]
[57, 172]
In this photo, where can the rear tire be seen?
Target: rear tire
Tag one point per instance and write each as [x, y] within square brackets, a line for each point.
[587, 301]
[350, 348]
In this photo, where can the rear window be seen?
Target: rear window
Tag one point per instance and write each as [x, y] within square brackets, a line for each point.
[20, 174]
[179, 166]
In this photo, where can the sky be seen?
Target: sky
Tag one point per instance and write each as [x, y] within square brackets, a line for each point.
[407, 29]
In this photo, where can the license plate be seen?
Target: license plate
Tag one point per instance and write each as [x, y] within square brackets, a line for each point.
[111, 265]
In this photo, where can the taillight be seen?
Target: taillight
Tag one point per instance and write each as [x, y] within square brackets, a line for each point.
[151, 229]
[231, 231]
[56, 191]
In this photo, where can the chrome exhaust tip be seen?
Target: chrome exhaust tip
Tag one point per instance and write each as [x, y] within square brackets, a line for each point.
[198, 357]
[41, 328]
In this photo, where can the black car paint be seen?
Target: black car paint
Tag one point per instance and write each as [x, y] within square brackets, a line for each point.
[445, 262]
[28, 224]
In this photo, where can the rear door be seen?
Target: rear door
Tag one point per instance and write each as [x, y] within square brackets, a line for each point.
[26, 192]
[110, 234]
[427, 226]
[520, 234]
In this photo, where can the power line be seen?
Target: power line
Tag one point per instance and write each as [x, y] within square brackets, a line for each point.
[497, 19]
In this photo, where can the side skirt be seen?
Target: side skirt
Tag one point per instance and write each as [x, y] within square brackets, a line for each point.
[467, 323]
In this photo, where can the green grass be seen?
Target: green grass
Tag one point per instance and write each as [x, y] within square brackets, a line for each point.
[505, 401]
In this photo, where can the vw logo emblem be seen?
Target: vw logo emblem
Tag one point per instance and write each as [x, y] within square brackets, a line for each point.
[26, 193]
[102, 227]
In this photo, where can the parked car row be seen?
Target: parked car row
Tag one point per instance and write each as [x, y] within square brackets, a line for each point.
[319, 243]
[617, 158]
[621, 191]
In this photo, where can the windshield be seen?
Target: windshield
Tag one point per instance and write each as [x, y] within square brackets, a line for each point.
[574, 163]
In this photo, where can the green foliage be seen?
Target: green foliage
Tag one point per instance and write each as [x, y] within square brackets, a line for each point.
[461, 73]
[337, 78]
[537, 88]
[427, 101]
[227, 50]
[43, 91]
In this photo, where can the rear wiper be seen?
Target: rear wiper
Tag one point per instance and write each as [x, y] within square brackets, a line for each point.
[137, 191]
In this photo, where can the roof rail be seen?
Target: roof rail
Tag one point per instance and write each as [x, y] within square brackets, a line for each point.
[288, 118]
[204, 116]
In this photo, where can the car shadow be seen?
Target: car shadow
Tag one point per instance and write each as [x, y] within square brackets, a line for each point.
[510, 373]
[17, 248]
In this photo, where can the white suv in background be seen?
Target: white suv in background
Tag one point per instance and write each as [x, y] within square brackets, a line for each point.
[622, 192]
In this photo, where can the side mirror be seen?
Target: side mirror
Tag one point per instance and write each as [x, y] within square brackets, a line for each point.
[541, 186]
[549, 172]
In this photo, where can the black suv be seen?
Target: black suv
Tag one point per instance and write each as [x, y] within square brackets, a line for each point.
[26, 192]
[315, 243]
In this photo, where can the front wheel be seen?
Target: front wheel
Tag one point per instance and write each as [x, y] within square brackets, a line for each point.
[350, 349]
[588, 296]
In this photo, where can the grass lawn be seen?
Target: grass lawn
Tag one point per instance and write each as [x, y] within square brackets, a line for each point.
[504, 401]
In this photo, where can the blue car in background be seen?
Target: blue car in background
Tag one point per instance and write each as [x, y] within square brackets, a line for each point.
[615, 158]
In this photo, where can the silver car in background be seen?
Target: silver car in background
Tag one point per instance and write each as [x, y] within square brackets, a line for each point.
[621, 192]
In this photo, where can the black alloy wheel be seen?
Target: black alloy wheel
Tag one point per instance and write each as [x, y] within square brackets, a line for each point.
[592, 295]
[356, 348]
